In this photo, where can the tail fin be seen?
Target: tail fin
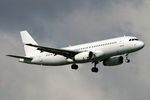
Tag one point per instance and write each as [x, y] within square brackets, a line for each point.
[27, 39]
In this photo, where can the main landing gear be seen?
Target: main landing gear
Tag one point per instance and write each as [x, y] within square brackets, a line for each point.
[95, 69]
[127, 60]
[74, 66]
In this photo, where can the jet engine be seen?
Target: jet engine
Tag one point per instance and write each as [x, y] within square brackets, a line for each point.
[83, 56]
[88, 55]
[113, 61]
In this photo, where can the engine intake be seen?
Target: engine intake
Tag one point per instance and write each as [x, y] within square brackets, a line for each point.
[83, 56]
[91, 55]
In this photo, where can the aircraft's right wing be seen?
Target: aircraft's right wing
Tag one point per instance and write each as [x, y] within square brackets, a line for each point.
[63, 52]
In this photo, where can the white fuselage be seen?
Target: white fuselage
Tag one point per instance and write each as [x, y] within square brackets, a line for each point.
[110, 47]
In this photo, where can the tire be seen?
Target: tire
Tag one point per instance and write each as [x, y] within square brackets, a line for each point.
[94, 69]
[74, 66]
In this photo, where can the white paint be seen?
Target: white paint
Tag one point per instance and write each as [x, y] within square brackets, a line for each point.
[100, 49]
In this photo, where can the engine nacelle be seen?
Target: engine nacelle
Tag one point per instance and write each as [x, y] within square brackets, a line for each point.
[113, 61]
[98, 54]
[82, 56]
[88, 55]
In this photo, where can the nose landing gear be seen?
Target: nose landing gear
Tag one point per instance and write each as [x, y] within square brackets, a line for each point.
[127, 60]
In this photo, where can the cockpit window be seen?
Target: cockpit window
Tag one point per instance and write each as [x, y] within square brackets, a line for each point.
[133, 39]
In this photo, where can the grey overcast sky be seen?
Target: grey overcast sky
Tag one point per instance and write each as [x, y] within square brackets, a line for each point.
[58, 23]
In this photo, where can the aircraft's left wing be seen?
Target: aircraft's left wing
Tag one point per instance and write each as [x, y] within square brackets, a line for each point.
[63, 52]
[21, 57]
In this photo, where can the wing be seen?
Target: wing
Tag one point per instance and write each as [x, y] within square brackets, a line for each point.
[14, 56]
[63, 52]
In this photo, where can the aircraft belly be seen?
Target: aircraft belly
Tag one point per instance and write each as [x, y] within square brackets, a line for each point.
[55, 60]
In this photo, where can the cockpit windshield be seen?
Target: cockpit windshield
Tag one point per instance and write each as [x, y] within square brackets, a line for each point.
[134, 39]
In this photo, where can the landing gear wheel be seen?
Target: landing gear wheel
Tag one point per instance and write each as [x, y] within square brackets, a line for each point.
[74, 66]
[127, 60]
[94, 69]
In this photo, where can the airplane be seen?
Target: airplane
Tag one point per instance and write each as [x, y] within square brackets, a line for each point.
[109, 52]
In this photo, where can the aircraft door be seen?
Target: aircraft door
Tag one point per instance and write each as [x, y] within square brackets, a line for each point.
[121, 45]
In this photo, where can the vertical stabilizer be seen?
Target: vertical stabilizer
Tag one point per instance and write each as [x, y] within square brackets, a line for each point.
[27, 39]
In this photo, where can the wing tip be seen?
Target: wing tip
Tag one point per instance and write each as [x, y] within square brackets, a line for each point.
[24, 31]
[21, 57]
[9, 55]
[29, 44]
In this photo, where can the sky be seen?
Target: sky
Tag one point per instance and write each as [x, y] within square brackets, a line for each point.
[59, 23]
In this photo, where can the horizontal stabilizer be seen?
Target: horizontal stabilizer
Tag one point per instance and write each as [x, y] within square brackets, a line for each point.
[14, 56]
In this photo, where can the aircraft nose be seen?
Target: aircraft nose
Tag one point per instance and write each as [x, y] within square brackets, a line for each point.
[141, 44]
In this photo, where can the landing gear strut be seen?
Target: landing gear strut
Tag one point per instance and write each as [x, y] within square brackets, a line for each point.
[127, 60]
[95, 69]
[74, 66]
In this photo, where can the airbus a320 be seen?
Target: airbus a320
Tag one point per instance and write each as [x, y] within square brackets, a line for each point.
[109, 52]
